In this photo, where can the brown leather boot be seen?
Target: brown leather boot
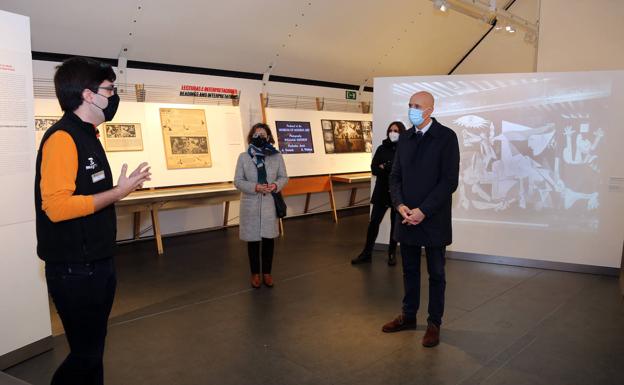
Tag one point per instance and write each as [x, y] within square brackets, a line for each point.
[255, 281]
[398, 324]
[432, 336]
[268, 280]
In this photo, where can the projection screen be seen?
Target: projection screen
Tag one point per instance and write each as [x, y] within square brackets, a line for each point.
[542, 160]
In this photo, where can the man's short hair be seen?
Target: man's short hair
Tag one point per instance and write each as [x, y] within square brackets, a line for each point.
[77, 74]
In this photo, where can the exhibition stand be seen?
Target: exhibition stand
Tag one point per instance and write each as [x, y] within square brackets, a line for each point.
[24, 313]
[353, 182]
[308, 185]
[169, 198]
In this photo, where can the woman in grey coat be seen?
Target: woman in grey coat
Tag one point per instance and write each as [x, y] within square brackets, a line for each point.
[259, 171]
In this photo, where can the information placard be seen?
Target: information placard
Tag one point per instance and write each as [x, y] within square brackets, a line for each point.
[294, 137]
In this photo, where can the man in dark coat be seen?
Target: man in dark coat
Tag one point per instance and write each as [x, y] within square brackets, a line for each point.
[424, 176]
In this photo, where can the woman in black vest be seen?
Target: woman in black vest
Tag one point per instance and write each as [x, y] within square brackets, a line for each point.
[381, 167]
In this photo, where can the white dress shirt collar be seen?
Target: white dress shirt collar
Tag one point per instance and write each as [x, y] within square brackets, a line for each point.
[424, 129]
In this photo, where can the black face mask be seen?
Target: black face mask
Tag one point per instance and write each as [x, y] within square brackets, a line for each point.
[259, 141]
[111, 108]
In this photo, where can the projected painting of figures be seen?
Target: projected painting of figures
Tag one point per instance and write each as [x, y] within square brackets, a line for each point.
[530, 152]
[530, 168]
[344, 136]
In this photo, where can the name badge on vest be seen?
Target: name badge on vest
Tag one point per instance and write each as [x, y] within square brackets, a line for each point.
[98, 176]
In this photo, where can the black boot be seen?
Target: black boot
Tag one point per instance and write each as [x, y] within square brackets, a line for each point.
[364, 257]
[391, 259]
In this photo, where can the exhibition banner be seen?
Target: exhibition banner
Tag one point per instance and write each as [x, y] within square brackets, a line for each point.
[209, 92]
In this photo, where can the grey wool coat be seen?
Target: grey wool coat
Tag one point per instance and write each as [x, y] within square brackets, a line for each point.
[257, 211]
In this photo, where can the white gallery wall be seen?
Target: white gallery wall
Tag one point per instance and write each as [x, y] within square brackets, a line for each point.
[24, 311]
[541, 172]
[581, 35]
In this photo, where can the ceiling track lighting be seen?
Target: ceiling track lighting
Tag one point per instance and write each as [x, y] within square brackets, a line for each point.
[488, 12]
[441, 5]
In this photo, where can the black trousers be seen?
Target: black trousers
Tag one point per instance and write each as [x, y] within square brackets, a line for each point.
[377, 216]
[253, 249]
[410, 255]
[83, 294]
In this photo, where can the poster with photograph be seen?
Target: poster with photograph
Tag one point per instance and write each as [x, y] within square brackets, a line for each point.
[42, 123]
[122, 137]
[345, 136]
[186, 138]
[294, 137]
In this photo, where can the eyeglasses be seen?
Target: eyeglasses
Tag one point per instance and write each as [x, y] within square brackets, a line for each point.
[112, 89]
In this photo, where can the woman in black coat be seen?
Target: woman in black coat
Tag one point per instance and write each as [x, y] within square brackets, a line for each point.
[381, 167]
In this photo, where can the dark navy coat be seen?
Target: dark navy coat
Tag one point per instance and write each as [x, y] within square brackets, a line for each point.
[424, 175]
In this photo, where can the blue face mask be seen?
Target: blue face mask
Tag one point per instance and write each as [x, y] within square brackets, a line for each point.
[416, 116]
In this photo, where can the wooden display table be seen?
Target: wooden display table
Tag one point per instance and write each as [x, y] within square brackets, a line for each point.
[352, 182]
[167, 198]
[175, 197]
[309, 185]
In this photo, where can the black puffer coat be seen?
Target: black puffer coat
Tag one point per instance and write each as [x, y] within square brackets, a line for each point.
[383, 156]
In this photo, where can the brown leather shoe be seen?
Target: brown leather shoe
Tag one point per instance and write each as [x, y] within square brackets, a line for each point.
[432, 336]
[398, 324]
[255, 281]
[268, 280]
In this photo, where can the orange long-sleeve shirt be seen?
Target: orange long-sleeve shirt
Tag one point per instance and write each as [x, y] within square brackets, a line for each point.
[59, 167]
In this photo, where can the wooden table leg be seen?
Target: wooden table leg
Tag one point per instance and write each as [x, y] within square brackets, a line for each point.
[137, 225]
[307, 203]
[156, 227]
[226, 214]
[352, 197]
[332, 202]
[622, 274]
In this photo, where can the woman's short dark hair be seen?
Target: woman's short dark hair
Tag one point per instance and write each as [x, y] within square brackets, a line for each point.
[397, 123]
[77, 74]
[263, 126]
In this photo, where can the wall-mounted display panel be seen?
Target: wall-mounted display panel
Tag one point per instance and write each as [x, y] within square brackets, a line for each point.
[345, 136]
[223, 127]
[294, 137]
[185, 137]
[122, 137]
[323, 162]
[42, 123]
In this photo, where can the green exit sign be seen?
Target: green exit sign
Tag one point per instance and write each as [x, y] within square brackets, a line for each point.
[350, 95]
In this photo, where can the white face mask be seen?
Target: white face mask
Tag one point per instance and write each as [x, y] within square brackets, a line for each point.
[394, 136]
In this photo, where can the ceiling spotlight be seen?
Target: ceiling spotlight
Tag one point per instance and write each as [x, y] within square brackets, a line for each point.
[498, 27]
[442, 5]
[510, 28]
